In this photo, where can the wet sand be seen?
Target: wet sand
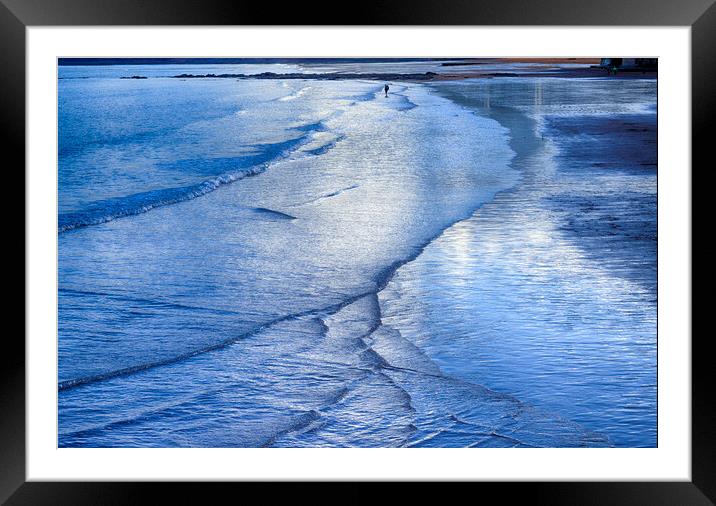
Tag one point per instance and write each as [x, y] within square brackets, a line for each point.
[548, 292]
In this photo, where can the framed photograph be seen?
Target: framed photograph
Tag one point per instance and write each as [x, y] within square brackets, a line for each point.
[440, 243]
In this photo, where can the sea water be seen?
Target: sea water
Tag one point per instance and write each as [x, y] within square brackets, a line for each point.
[243, 263]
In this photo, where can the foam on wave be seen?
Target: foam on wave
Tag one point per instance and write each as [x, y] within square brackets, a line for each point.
[110, 209]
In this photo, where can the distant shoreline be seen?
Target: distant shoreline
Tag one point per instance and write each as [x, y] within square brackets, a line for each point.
[590, 72]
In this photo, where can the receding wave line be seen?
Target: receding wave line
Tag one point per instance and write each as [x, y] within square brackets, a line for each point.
[76, 382]
[110, 209]
[143, 300]
[133, 417]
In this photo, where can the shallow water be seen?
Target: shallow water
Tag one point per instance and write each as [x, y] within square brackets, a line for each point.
[226, 280]
[549, 291]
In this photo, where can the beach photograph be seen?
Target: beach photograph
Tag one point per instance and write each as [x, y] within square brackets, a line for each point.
[357, 252]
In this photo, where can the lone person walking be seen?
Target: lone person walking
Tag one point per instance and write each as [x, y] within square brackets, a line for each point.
[386, 88]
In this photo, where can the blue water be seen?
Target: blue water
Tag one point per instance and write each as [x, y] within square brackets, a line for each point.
[309, 263]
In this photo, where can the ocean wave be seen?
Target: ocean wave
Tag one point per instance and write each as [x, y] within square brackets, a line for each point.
[119, 207]
[152, 303]
[133, 417]
[126, 371]
[111, 209]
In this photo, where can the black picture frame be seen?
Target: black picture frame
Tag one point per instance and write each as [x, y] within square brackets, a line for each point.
[16, 15]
